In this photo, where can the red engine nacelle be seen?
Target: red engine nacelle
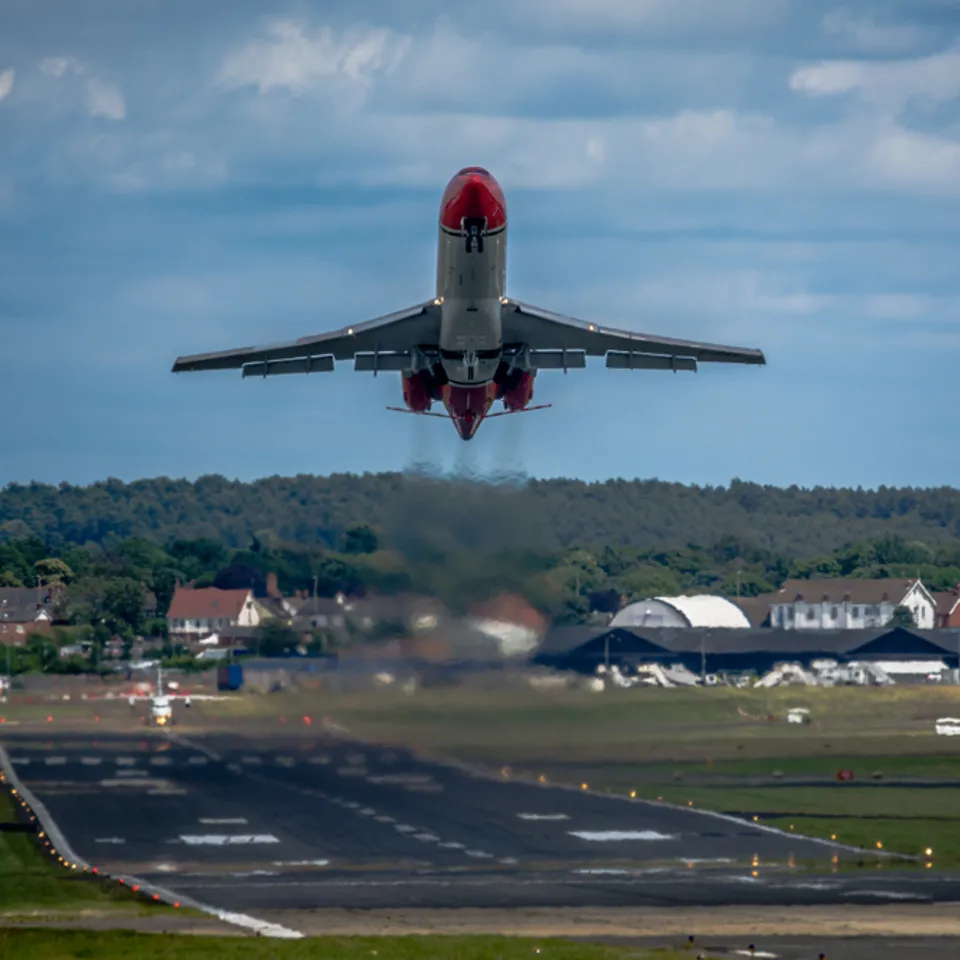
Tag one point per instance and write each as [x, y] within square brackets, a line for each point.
[417, 391]
[518, 391]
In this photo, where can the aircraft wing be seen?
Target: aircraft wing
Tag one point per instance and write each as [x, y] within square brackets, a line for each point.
[393, 335]
[553, 333]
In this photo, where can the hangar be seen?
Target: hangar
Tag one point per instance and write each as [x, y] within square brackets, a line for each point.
[737, 650]
[680, 612]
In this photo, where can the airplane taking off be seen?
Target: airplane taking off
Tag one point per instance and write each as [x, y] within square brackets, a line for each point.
[471, 345]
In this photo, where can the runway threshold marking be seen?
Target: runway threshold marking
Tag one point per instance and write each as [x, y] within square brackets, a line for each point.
[602, 836]
[218, 840]
[543, 816]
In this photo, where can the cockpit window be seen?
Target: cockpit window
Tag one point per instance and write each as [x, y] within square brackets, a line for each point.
[480, 170]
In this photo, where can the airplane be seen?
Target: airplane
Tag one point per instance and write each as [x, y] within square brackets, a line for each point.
[161, 706]
[470, 345]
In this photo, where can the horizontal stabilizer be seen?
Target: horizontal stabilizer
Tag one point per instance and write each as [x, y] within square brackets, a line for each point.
[557, 359]
[646, 361]
[374, 362]
[273, 368]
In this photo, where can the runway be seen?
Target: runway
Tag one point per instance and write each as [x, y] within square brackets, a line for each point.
[293, 824]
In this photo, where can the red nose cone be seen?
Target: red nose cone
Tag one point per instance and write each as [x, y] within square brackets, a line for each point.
[473, 193]
[468, 406]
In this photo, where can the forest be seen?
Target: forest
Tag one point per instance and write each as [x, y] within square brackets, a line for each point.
[568, 547]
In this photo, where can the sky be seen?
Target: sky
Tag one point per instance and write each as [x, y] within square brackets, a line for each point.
[179, 177]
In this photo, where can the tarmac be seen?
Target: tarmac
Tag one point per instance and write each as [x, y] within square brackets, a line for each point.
[281, 826]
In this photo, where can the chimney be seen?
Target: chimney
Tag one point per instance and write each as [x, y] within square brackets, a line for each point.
[272, 589]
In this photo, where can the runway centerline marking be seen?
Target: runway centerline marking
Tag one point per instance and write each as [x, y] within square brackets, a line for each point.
[125, 761]
[602, 836]
[110, 840]
[90, 761]
[217, 840]
[55, 761]
[223, 820]
[543, 816]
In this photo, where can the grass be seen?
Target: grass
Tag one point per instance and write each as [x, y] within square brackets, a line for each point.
[32, 883]
[57, 944]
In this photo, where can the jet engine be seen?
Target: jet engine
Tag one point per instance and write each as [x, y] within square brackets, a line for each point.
[418, 390]
[516, 390]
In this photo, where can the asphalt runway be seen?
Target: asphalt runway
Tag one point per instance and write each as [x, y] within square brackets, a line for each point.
[294, 823]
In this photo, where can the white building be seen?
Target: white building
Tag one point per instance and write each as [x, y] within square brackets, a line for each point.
[195, 614]
[849, 604]
[698, 611]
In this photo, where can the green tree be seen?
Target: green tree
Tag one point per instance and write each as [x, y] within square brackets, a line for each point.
[123, 604]
[902, 617]
[274, 639]
[9, 579]
[361, 538]
[53, 570]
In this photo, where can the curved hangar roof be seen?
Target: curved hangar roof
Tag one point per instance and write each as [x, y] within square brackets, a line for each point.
[699, 611]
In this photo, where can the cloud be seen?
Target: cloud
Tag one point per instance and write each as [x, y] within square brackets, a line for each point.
[886, 84]
[58, 66]
[105, 99]
[6, 82]
[600, 16]
[870, 36]
[301, 61]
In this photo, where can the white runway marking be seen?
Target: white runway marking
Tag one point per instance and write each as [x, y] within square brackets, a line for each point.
[137, 782]
[887, 894]
[20, 761]
[603, 836]
[400, 778]
[352, 805]
[356, 758]
[131, 772]
[167, 792]
[253, 761]
[221, 820]
[451, 845]
[55, 761]
[125, 761]
[216, 840]
[352, 771]
[384, 819]
[367, 812]
[197, 760]
[755, 953]
[161, 761]
[110, 840]
[301, 863]
[508, 860]
[479, 854]
[543, 816]
[424, 787]
[405, 828]
[426, 837]
[285, 761]
[90, 761]
[234, 768]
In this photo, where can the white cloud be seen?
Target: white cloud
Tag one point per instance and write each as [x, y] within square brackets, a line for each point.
[299, 60]
[593, 15]
[868, 35]
[920, 162]
[58, 66]
[105, 100]
[886, 84]
[6, 82]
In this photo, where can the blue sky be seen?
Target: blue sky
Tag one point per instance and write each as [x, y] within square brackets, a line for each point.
[179, 177]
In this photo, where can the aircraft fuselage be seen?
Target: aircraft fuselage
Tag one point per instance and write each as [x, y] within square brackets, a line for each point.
[471, 281]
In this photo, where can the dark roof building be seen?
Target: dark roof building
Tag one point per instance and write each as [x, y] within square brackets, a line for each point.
[740, 650]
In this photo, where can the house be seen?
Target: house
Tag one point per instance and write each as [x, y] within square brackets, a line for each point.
[948, 607]
[197, 613]
[25, 610]
[849, 604]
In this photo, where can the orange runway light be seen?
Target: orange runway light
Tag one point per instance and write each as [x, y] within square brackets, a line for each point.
[307, 721]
